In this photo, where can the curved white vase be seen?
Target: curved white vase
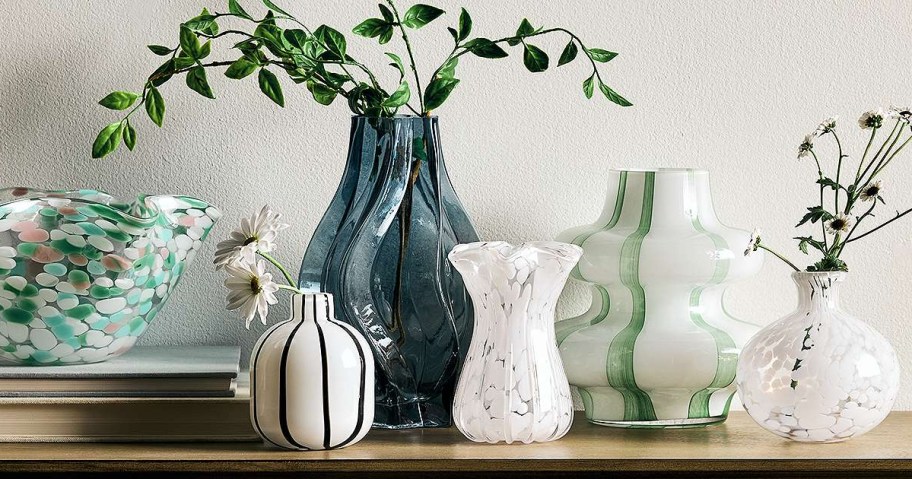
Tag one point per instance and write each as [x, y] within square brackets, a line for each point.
[818, 374]
[512, 387]
[657, 348]
[312, 380]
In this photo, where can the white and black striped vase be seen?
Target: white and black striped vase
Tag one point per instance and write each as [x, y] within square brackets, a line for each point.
[312, 380]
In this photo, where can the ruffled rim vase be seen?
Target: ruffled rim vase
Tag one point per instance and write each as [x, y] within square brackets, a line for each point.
[513, 387]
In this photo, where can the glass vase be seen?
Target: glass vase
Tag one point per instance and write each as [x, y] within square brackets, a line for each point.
[513, 386]
[818, 374]
[381, 250]
[657, 347]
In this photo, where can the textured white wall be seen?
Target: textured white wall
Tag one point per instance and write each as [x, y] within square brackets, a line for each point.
[728, 86]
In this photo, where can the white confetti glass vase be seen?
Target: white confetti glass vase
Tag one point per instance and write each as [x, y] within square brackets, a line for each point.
[818, 374]
[512, 387]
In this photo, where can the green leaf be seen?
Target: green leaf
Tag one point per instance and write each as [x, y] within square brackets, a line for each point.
[196, 80]
[386, 36]
[295, 37]
[535, 59]
[485, 48]
[189, 42]
[829, 182]
[275, 8]
[815, 214]
[181, 61]
[241, 68]
[418, 149]
[129, 135]
[162, 73]
[397, 64]
[119, 100]
[107, 140]
[273, 38]
[203, 23]
[387, 13]
[601, 56]
[323, 94]
[160, 50]
[420, 15]
[465, 25]
[270, 86]
[155, 106]
[235, 8]
[438, 91]
[399, 97]
[613, 95]
[448, 70]
[205, 50]
[589, 86]
[525, 28]
[333, 40]
[569, 54]
[454, 34]
[370, 28]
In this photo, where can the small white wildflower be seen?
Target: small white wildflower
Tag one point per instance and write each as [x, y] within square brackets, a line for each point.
[826, 126]
[900, 113]
[250, 289]
[871, 119]
[804, 149]
[256, 234]
[754, 243]
[838, 224]
[871, 191]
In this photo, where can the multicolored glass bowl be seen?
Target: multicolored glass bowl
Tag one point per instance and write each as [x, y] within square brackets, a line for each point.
[82, 274]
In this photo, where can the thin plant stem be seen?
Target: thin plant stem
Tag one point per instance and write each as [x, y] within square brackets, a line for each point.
[278, 266]
[289, 288]
[898, 216]
[879, 151]
[820, 175]
[408, 48]
[881, 168]
[865, 155]
[838, 172]
[783, 258]
[852, 231]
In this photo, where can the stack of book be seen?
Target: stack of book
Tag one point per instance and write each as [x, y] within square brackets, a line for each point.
[149, 394]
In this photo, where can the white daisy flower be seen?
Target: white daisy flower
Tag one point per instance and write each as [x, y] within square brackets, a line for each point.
[804, 149]
[838, 224]
[900, 113]
[827, 126]
[871, 119]
[871, 191]
[250, 289]
[754, 243]
[257, 234]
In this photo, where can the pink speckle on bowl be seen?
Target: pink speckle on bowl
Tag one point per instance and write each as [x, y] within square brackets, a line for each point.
[37, 235]
[46, 255]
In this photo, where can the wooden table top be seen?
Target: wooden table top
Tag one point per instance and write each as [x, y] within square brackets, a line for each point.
[735, 447]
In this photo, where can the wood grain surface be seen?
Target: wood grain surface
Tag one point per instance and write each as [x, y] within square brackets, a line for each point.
[736, 448]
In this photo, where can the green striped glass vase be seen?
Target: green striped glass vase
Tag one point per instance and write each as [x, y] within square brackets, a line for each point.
[657, 347]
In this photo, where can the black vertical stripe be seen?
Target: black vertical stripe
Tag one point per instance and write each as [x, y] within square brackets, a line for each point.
[327, 432]
[283, 380]
[360, 422]
[253, 392]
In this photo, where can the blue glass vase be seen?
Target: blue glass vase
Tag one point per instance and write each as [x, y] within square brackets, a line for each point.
[381, 249]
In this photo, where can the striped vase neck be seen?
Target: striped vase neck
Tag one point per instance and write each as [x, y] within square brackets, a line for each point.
[312, 307]
[674, 197]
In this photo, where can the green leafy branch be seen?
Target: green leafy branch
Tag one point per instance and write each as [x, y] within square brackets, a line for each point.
[320, 60]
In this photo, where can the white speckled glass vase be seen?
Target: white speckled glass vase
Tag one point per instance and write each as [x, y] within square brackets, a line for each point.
[818, 374]
[657, 348]
[512, 387]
